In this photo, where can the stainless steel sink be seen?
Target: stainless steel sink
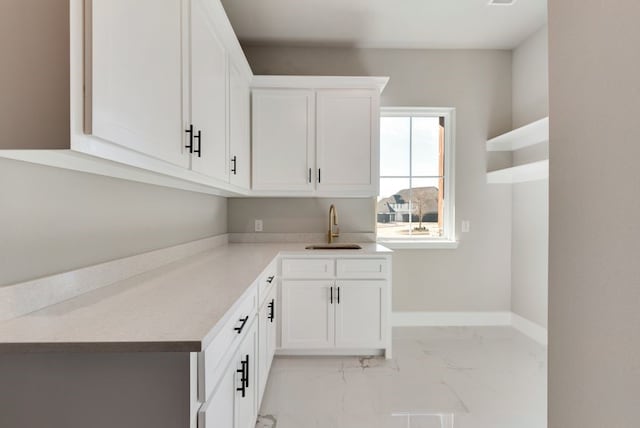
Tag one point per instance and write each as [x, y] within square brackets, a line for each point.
[334, 247]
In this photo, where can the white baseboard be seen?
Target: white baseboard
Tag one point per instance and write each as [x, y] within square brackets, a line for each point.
[470, 319]
[529, 328]
[453, 319]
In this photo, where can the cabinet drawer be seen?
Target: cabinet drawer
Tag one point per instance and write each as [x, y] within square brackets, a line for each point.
[308, 268]
[362, 268]
[223, 346]
[267, 280]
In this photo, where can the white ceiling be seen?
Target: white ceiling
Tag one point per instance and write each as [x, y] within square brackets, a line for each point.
[430, 24]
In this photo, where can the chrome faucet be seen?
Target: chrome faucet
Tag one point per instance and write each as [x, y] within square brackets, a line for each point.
[333, 221]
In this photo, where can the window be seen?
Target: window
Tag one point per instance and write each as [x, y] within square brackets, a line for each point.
[415, 204]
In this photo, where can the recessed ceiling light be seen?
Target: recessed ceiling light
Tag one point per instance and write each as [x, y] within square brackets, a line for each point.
[501, 2]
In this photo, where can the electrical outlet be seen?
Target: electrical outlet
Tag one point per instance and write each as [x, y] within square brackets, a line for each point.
[466, 226]
[258, 226]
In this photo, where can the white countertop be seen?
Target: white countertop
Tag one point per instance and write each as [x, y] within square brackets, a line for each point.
[174, 308]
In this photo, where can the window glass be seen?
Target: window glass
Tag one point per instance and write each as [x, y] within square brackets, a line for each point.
[393, 205]
[396, 152]
[411, 204]
[425, 146]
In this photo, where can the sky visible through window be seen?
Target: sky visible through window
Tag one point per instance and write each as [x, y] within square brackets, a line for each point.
[410, 177]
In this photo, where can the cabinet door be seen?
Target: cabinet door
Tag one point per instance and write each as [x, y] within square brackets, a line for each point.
[219, 410]
[263, 353]
[239, 129]
[274, 322]
[247, 406]
[136, 73]
[266, 339]
[208, 95]
[283, 139]
[360, 314]
[307, 314]
[347, 140]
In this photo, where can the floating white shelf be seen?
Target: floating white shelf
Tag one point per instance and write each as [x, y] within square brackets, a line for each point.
[519, 174]
[528, 135]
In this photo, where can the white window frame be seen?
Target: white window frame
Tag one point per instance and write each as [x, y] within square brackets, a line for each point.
[448, 240]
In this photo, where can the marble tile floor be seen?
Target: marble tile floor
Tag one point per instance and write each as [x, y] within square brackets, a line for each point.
[439, 377]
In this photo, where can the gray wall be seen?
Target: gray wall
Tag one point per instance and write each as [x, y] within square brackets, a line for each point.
[34, 41]
[531, 79]
[530, 251]
[530, 224]
[594, 271]
[476, 276]
[54, 220]
[294, 215]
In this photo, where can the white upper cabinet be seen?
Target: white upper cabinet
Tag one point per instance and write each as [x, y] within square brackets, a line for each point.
[164, 84]
[208, 96]
[239, 129]
[150, 88]
[163, 89]
[316, 136]
[347, 127]
[136, 70]
[283, 140]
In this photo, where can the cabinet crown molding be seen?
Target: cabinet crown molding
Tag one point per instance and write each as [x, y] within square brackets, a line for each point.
[320, 82]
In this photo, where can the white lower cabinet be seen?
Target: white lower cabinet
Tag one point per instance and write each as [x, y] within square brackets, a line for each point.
[307, 314]
[342, 307]
[222, 347]
[219, 410]
[267, 333]
[234, 401]
[360, 314]
[234, 367]
[272, 334]
[308, 268]
[246, 391]
[325, 315]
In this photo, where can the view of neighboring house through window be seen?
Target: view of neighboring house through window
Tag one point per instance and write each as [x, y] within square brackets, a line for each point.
[414, 201]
